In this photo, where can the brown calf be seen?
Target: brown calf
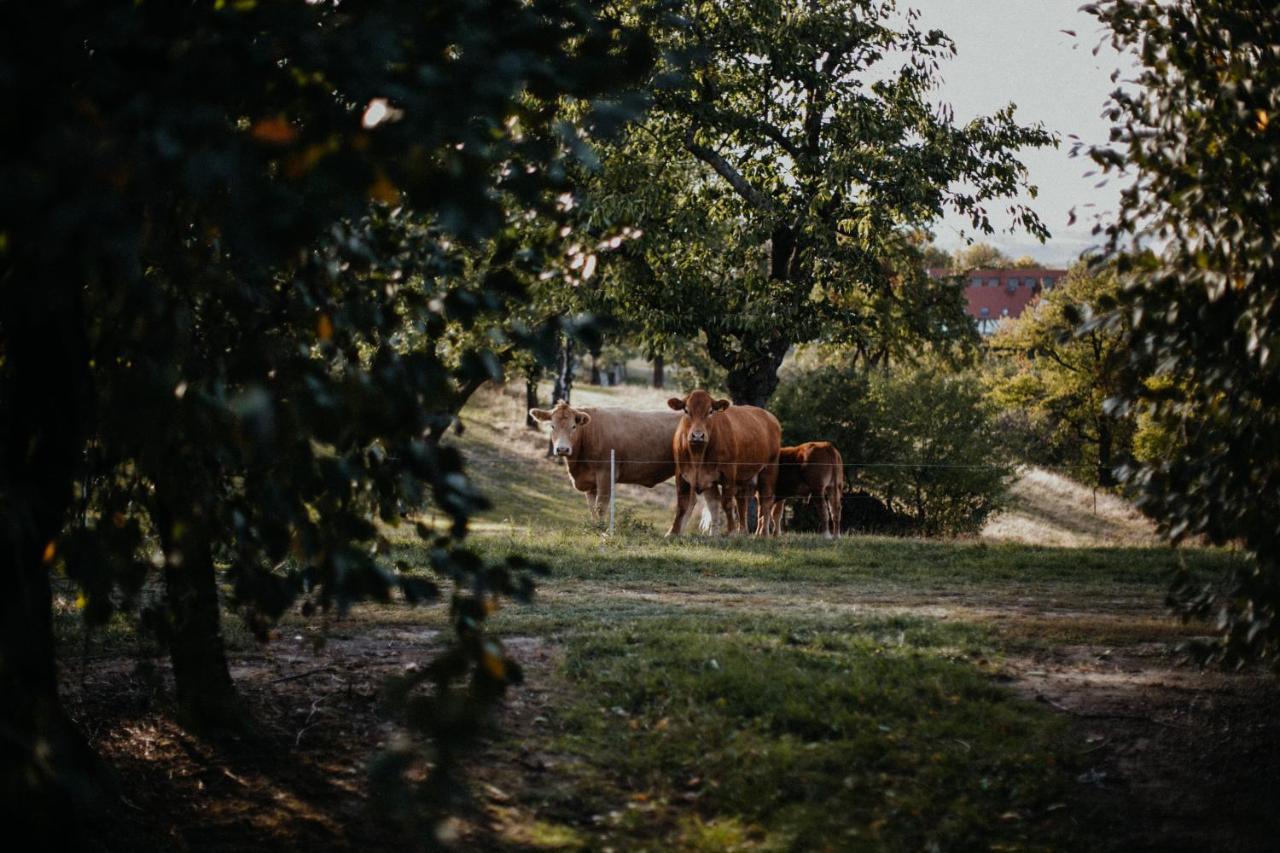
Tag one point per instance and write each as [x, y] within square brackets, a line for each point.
[813, 468]
[723, 452]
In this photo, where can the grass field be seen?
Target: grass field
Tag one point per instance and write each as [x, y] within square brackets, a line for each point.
[732, 694]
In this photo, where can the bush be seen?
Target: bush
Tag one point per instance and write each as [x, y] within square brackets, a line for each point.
[923, 439]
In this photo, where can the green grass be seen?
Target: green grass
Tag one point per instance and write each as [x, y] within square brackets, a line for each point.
[793, 733]
[735, 694]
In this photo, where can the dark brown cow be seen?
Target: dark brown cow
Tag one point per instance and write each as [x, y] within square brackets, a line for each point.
[811, 469]
[584, 437]
[724, 453]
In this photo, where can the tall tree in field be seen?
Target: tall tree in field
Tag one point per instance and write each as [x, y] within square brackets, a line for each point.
[778, 188]
[1062, 378]
[220, 225]
[1198, 131]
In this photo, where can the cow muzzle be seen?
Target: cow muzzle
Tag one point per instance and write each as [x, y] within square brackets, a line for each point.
[697, 438]
[563, 451]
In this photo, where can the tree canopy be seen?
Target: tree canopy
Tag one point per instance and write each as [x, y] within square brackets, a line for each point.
[1060, 379]
[1196, 243]
[778, 186]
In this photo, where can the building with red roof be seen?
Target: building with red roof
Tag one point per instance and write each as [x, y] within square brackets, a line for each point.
[994, 294]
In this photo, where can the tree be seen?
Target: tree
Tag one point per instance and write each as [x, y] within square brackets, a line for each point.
[1195, 242]
[980, 256]
[1026, 262]
[777, 190]
[1061, 378]
[221, 224]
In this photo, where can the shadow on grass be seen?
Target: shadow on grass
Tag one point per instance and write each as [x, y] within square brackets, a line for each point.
[804, 734]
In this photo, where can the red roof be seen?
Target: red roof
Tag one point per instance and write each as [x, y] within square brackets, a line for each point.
[996, 293]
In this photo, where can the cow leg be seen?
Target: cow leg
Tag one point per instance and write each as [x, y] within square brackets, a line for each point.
[602, 503]
[591, 504]
[714, 497]
[744, 516]
[768, 482]
[775, 517]
[833, 509]
[684, 503]
[729, 502]
[706, 523]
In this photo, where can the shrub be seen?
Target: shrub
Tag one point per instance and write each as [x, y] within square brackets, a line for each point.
[923, 439]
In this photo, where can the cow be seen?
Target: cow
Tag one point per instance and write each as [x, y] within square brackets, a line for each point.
[724, 453]
[812, 468]
[642, 442]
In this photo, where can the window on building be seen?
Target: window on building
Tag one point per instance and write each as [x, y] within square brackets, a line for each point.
[1047, 281]
[993, 282]
[984, 311]
[975, 282]
[1004, 312]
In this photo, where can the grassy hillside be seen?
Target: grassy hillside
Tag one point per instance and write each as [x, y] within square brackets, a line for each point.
[712, 693]
[873, 693]
[530, 490]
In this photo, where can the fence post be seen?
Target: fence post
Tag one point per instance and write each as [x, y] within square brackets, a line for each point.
[613, 486]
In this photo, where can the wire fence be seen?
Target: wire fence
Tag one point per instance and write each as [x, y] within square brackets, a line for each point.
[504, 464]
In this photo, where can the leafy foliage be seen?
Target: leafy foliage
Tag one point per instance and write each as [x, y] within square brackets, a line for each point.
[980, 256]
[923, 438]
[246, 250]
[780, 185]
[1197, 133]
[1057, 379]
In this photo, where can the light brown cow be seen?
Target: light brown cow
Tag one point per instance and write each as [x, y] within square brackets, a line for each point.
[724, 453]
[584, 437]
[810, 469]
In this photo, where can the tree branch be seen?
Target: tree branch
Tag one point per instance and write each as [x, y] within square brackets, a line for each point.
[712, 158]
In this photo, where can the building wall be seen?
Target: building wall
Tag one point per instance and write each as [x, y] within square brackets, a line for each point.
[994, 294]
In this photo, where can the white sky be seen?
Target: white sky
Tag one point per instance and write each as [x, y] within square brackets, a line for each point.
[1015, 50]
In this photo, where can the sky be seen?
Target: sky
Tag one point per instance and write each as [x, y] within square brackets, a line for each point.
[1016, 51]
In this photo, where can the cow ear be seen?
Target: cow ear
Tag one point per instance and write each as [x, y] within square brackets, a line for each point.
[581, 418]
[540, 414]
[720, 405]
[676, 403]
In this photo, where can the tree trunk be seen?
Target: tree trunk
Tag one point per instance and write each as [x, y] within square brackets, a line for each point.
[564, 373]
[564, 381]
[1106, 439]
[753, 372]
[782, 252]
[659, 366]
[530, 399]
[752, 383]
[207, 697]
[50, 779]
[595, 369]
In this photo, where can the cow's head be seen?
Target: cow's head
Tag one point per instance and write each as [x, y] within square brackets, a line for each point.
[564, 421]
[699, 408]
